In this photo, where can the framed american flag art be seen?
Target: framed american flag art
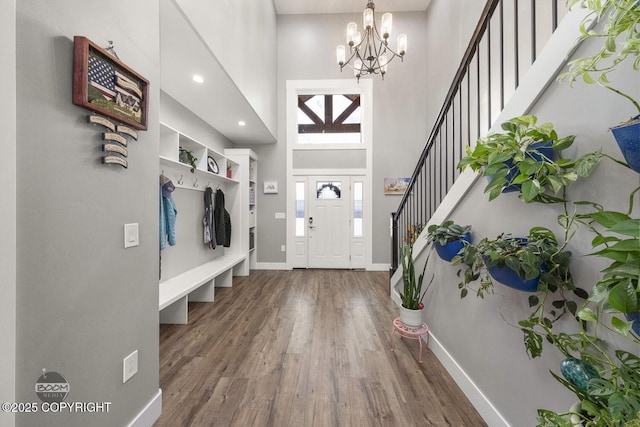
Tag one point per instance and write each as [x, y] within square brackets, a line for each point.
[102, 83]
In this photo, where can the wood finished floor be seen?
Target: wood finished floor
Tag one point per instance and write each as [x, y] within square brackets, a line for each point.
[302, 348]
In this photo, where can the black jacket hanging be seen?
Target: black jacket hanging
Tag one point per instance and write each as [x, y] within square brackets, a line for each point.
[209, 235]
[222, 221]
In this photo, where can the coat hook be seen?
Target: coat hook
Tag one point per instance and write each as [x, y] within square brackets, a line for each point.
[195, 183]
[180, 180]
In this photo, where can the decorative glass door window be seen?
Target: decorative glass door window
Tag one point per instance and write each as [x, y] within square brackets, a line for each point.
[357, 209]
[300, 214]
[329, 119]
[328, 190]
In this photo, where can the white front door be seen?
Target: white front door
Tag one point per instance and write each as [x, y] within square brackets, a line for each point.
[329, 221]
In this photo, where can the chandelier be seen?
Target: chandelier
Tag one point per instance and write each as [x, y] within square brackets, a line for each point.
[370, 53]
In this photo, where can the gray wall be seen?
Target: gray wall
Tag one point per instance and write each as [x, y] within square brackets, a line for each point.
[306, 50]
[83, 301]
[8, 223]
[472, 330]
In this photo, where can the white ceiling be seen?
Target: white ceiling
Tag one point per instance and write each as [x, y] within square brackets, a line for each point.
[284, 7]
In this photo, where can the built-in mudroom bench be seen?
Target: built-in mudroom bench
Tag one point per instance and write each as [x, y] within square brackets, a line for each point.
[197, 285]
[190, 270]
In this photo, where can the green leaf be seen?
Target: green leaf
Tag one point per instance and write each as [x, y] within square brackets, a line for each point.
[600, 240]
[608, 218]
[587, 78]
[623, 298]
[587, 163]
[555, 183]
[493, 169]
[622, 326]
[563, 143]
[533, 300]
[629, 227]
[588, 315]
[528, 166]
[530, 190]
[495, 157]
[520, 179]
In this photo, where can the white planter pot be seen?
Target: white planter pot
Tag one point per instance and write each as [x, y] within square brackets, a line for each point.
[576, 421]
[411, 318]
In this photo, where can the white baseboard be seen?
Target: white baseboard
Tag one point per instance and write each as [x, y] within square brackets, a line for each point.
[271, 266]
[379, 267]
[150, 413]
[485, 408]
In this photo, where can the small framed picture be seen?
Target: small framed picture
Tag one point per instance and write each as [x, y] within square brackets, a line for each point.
[396, 186]
[270, 187]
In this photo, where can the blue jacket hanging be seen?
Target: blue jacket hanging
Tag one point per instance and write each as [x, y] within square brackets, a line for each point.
[168, 213]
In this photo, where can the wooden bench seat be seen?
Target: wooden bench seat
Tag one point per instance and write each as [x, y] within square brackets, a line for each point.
[197, 284]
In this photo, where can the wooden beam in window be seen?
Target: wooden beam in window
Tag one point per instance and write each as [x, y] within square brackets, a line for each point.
[329, 125]
[308, 111]
[355, 103]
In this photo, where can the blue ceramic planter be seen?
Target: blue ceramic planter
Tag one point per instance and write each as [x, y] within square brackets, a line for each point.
[628, 138]
[635, 317]
[544, 149]
[510, 278]
[451, 249]
[578, 372]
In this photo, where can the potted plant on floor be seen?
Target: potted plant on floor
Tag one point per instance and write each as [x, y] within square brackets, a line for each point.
[620, 33]
[412, 293]
[448, 238]
[522, 159]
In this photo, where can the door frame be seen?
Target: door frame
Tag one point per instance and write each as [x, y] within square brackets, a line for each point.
[365, 89]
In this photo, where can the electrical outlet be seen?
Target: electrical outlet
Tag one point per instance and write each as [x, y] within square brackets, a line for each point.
[283, 248]
[129, 366]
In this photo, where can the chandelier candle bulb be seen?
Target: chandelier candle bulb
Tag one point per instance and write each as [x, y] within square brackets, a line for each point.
[352, 29]
[367, 18]
[383, 64]
[340, 54]
[386, 25]
[357, 68]
[402, 44]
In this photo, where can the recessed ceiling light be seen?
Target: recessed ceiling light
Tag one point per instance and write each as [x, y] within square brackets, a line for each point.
[241, 123]
[197, 78]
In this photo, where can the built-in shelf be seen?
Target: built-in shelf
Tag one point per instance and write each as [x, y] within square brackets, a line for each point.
[248, 175]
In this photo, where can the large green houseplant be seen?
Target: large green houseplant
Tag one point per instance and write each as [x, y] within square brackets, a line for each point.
[538, 264]
[526, 157]
[618, 240]
[620, 35]
[412, 289]
[619, 31]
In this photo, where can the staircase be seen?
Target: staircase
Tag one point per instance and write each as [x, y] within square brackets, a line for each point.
[505, 69]
[500, 76]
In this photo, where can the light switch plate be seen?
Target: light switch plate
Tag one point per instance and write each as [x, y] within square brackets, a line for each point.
[131, 235]
[279, 215]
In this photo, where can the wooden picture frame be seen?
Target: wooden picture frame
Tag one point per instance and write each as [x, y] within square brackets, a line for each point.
[103, 84]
